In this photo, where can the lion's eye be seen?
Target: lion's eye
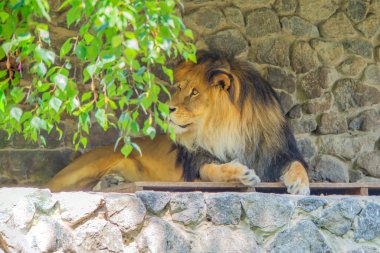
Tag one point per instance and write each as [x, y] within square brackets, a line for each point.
[194, 92]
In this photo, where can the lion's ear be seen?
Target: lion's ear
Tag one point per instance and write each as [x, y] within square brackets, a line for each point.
[220, 78]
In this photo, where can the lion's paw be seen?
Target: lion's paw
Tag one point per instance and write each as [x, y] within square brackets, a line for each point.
[247, 176]
[298, 188]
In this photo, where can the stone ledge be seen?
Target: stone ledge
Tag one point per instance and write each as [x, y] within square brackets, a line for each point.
[36, 220]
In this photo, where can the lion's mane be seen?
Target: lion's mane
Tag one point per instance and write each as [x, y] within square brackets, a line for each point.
[249, 125]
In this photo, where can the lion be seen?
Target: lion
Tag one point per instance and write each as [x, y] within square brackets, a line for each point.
[229, 127]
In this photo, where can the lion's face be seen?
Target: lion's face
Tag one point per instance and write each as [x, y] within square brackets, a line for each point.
[188, 106]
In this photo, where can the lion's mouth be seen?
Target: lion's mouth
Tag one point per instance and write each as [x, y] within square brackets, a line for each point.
[181, 126]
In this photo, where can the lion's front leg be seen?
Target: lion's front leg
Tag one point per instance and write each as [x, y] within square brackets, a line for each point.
[229, 172]
[296, 179]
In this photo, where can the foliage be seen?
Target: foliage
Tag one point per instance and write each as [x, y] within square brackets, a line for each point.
[119, 43]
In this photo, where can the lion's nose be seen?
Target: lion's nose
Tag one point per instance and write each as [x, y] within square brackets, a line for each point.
[172, 109]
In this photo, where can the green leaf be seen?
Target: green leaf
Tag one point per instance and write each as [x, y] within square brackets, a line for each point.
[73, 15]
[188, 33]
[137, 148]
[117, 40]
[80, 51]
[55, 103]
[16, 113]
[168, 72]
[61, 81]
[86, 96]
[126, 150]
[91, 69]
[17, 94]
[101, 118]
[66, 47]
[3, 16]
[88, 38]
[7, 46]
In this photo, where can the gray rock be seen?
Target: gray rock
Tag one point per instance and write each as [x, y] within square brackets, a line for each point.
[188, 208]
[329, 168]
[14, 240]
[303, 125]
[230, 41]
[316, 11]
[356, 10]
[364, 249]
[295, 112]
[234, 16]
[318, 105]
[332, 123]
[365, 121]
[344, 146]
[299, 27]
[367, 225]
[372, 74]
[267, 211]
[302, 57]
[160, 236]
[271, 51]
[285, 7]
[280, 79]
[370, 162]
[310, 204]
[286, 101]
[55, 236]
[98, 235]
[127, 211]
[304, 237]
[262, 22]
[154, 202]
[330, 53]
[306, 147]
[377, 54]
[314, 82]
[23, 214]
[252, 4]
[350, 93]
[77, 206]
[369, 26]
[224, 239]
[359, 47]
[223, 208]
[338, 218]
[205, 18]
[337, 26]
[4, 140]
[352, 66]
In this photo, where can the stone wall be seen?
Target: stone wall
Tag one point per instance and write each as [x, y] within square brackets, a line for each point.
[34, 220]
[322, 57]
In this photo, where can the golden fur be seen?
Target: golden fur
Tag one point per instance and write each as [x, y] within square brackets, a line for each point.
[228, 124]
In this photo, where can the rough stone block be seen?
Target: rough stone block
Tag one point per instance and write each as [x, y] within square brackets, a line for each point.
[98, 235]
[338, 218]
[267, 213]
[356, 9]
[310, 204]
[301, 238]
[369, 26]
[77, 206]
[370, 162]
[314, 82]
[359, 47]
[234, 16]
[271, 51]
[372, 74]
[302, 57]
[303, 125]
[230, 41]
[332, 123]
[262, 22]
[330, 53]
[316, 11]
[188, 208]
[154, 202]
[350, 93]
[223, 208]
[352, 66]
[365, 121]
[285, 7]
[160, 236]
[337, 26]
[329, 168]
[224, 239]
[280, 79]
[318, 105]
[299, 27]
[367, 225]
[127, 211]
[307, 148]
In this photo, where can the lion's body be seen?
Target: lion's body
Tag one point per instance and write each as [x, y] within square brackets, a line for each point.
[229, 126]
